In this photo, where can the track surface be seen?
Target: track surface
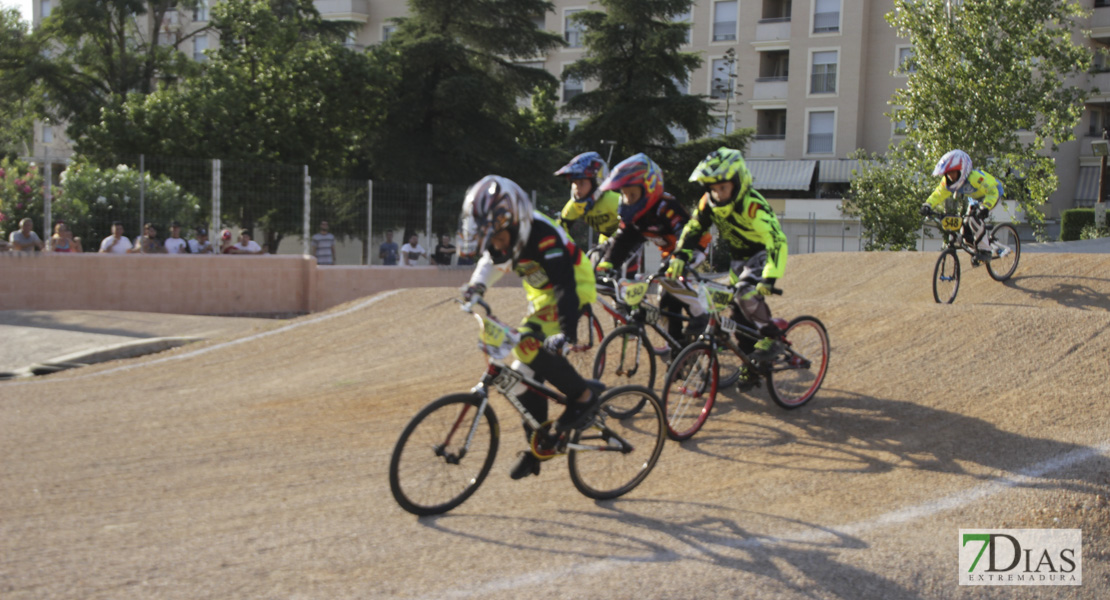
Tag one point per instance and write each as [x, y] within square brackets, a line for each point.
[257, 467]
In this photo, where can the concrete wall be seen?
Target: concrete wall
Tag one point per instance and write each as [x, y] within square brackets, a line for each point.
[202, 285]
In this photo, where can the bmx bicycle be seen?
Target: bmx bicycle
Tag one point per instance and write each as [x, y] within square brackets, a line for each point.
[794, 370]
[446, 451]
[1003, 261]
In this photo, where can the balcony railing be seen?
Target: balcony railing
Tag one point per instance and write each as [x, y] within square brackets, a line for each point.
[769, 88]
[358, 8]
[767, 148]
[773, 30]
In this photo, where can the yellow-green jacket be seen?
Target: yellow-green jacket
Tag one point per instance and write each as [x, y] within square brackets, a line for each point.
[748, 225]
[603, 214]
[980, 186]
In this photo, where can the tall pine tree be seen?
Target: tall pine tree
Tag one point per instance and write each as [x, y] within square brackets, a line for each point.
[632, 53]
[454, 113]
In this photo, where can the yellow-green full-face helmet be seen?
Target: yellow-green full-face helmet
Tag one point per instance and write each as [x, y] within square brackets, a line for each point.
[723, 164]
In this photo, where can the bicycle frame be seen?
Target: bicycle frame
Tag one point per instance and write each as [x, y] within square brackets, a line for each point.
[646, 315]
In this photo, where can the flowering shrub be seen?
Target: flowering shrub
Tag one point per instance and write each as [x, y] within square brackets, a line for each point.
[20, 195]
[90, 198]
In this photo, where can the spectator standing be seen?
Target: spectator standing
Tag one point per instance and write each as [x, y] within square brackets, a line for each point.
[323, 246]
[388, 251]
[200, 244]
[63, 240]
[246, 245]
[412, 251]
[444, 251]
[25, 239]
[149, 242]
[117, 243]
[175, 244]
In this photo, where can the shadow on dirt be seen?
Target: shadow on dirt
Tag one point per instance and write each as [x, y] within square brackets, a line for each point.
[849, 432]
[629, 531]
[1067, 291]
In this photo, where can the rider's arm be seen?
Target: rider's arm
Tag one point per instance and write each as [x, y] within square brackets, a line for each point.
[572, 211]
[766, 226]
[939, 195]
[696, 228]
[487, 272]
[623, 243]
[986, 184]
[558, 262]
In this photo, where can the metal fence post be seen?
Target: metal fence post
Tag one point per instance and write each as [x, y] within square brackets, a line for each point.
[370, 222]
[215, 230]
[47, 201]
[307, 213]
[142, 193]
[428, 219]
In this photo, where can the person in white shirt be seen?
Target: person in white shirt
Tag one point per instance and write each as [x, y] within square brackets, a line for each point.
[412, 251]
[175, 244]
[117, 243]
[246, 245]
[201, 245]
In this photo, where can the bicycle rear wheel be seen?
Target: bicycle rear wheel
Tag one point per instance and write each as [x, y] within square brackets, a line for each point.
[1005, 252]
[798, 372]
[430, 471]
[582, 355]
[613, 455]
[690, 389]
[946, 277]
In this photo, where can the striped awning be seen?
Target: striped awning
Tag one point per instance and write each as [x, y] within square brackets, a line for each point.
[1087, 186]
[781, 174]
[836, 171]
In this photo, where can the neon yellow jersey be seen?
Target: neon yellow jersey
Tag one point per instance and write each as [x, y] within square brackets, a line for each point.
[602, 214]
[980, 186]
[748, 225]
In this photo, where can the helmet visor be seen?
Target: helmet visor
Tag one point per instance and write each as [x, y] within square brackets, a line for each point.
[473, 236]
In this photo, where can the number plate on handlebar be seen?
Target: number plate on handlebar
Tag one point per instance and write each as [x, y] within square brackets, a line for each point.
[633, 292]
[714, 297]
[497, 338]
[951, 223]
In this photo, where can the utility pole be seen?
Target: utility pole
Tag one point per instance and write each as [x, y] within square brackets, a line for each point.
[1100, 204]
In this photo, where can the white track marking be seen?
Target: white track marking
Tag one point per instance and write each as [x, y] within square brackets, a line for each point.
[143, 364]
[824, 535]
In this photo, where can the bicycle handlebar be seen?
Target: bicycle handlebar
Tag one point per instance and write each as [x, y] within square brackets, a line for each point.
[752, 279]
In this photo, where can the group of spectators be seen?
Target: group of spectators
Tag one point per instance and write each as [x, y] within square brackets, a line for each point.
[26, 240]
[411, 253]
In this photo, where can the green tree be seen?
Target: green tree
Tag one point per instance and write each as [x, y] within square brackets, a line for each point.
[991, 77]
[17, 92]
[453, 112]
[20, 195]
[282, 88]
[90, 55]
[632, 53]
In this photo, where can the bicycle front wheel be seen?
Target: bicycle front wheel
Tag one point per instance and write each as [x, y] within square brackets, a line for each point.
[798, 372]
[582, 355]
[690, 389]
[946, 277]
[614, 455]
[625, 357]
[433, 469]
[1005, 252]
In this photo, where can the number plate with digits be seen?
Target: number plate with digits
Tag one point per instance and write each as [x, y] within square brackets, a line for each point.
[951, 223]
[506, 380]
[651, 314]
[634, 292]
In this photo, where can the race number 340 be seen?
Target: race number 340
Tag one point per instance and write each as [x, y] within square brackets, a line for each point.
[1021, 557]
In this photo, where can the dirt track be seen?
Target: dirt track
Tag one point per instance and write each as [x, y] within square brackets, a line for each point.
[257, 468]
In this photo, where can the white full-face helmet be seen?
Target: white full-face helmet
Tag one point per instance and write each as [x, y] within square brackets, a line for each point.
[956, 162]
[494, 204]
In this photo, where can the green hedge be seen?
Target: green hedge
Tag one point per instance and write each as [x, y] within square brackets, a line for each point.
[1073, 221]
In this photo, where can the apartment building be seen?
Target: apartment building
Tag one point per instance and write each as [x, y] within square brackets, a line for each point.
[813, 80]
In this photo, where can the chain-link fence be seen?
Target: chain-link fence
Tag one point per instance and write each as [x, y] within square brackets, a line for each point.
[280, 206]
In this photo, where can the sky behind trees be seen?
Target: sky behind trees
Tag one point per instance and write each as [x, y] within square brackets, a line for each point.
[24, 7]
